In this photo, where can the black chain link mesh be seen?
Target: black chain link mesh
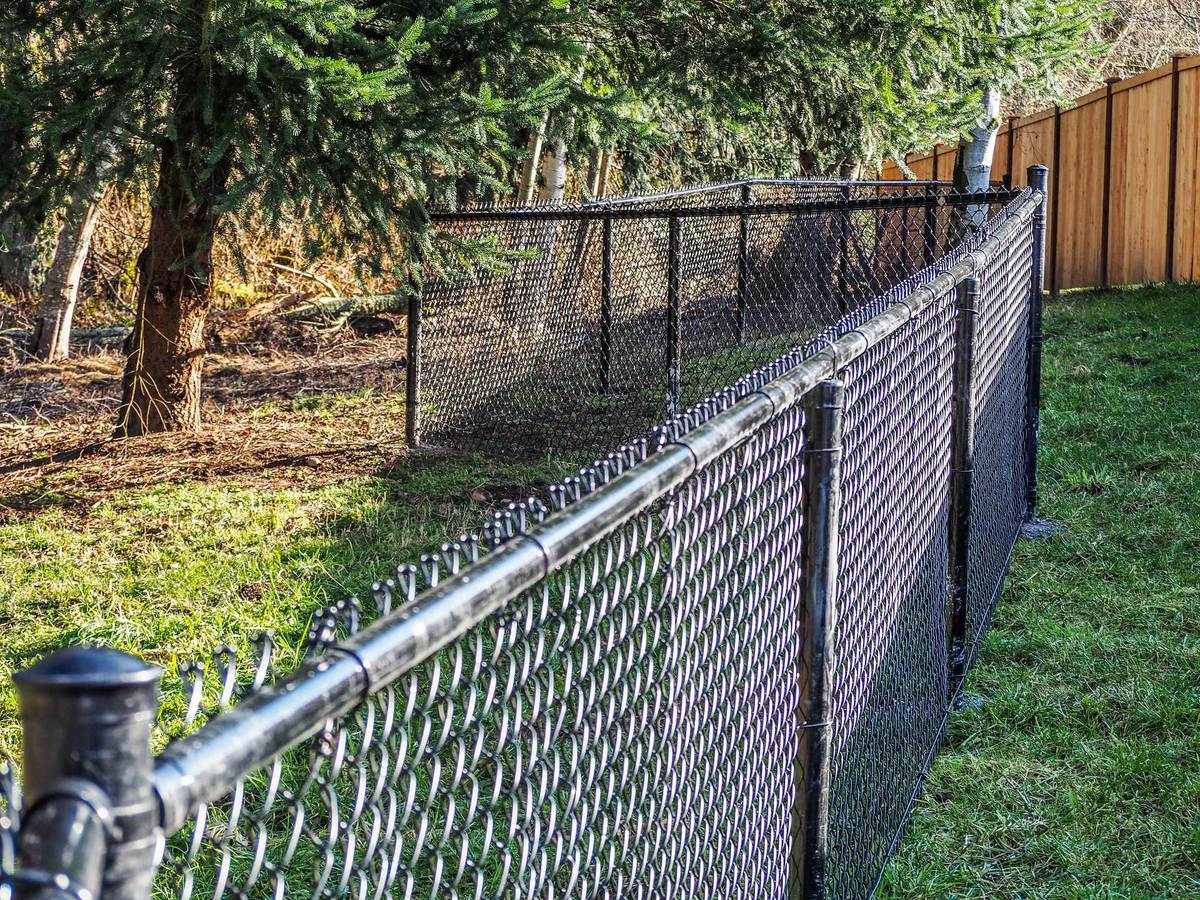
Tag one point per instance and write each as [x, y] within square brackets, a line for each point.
[10, 804]
[537, 358]
[890, 682]
[1001, 389]
[629, 726]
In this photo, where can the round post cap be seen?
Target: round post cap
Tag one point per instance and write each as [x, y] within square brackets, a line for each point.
[94, 668]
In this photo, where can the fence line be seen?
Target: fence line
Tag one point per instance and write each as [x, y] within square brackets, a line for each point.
[1125, 177]
[619, 312]
[718, 661]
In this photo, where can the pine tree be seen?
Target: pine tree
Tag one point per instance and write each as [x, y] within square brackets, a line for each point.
[346, 114]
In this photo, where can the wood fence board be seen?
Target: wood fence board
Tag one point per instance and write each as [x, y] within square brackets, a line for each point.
[1139, 178]
[1187, 199]
[1080, 197]
[1140, 152]
[1001, 164]
[922, 167]
[1033, 144]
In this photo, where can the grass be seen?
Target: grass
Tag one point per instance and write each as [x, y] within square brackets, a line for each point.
[171, 572]
[1077, 772]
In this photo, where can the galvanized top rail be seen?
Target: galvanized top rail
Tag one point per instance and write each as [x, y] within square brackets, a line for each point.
[201, 767]
[900, 200]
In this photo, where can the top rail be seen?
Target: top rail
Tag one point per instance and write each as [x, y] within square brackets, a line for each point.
[749, 182]
[201, 768]
[905, 196]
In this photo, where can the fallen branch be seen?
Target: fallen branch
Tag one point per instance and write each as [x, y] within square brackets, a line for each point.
[344, 307]
[312, 276]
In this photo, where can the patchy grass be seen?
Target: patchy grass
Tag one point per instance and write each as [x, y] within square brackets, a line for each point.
[1078, 773]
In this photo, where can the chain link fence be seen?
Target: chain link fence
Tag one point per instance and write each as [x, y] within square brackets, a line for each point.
[608, 316]
[717, 662]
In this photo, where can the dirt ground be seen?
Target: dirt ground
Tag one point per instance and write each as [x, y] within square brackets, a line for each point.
[304, 415]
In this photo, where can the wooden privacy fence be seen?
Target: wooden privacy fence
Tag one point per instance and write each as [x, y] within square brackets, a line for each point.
[1124, 178]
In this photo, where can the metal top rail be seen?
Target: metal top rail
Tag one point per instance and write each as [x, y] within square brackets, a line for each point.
[565, 213]
[646, 200]
[751, 182]
[199, 768]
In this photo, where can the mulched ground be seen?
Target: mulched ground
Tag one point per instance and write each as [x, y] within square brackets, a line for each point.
[304, 415]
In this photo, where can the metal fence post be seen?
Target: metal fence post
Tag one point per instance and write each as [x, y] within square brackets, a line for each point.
[412, 375]
[962, 460]
[606, 255]
[92, 812]
[743, 264]
[822, 492]
[674, 337]
[1037, 181]
[929, 232]
[843, 294]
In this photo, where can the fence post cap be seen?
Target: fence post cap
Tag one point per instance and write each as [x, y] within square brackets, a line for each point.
[88, 668]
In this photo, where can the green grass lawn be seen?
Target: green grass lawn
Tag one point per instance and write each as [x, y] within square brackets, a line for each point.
[174, 571]
[1075, 772]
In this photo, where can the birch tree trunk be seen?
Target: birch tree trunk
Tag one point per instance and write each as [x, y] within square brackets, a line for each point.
[973, 165]
[60, 292]
[554, 171]
[528, 183]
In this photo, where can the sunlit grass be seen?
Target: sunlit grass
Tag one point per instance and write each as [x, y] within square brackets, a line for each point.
[1078, 773]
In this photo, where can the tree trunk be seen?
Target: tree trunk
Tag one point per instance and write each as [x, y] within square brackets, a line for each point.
[161, 386]
[973, 165]
[52, 330]
[554, 171]
[602, 175]
[25, 253]
[528, 186]
[593, 175]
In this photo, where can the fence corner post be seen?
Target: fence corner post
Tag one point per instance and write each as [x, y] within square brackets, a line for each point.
[91, 809]
[1037, 181]
[822, 492]
[412, 374]
[962, 461]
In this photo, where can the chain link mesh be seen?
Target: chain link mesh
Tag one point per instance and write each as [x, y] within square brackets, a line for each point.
[627, 728]
[563, 352]
[890, 681]
[1001, 391]
[630, 725]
